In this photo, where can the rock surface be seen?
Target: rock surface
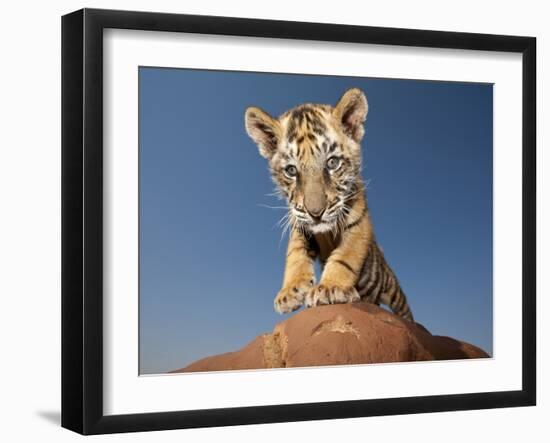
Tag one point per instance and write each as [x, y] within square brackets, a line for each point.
[344, 334]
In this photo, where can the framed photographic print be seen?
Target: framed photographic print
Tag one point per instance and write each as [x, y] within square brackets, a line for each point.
[269, 221]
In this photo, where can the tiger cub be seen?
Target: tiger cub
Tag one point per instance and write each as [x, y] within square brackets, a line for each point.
[314, 155]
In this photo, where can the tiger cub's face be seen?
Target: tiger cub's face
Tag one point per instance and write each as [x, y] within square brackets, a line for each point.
[314, 155]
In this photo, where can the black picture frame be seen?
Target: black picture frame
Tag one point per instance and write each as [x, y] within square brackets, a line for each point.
[82, 219]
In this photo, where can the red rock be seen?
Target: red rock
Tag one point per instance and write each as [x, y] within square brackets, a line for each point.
[355, 333]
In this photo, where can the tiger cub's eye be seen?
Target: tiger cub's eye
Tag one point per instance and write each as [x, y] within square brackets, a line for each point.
[333, 163]
[291, 171]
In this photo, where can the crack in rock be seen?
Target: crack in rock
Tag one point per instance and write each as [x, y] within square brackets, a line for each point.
[337, 325]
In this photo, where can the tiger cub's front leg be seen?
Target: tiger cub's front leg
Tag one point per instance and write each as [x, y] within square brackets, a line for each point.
[342, 268]
[299, 274]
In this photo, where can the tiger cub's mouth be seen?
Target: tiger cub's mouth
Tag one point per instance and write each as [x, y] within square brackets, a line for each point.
[329, 220]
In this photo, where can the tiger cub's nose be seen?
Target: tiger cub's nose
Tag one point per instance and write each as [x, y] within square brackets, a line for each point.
[316, 213]
[315, 199]
[315, 206]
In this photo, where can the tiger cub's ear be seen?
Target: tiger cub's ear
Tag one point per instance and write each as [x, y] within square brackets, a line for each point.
[351, 112]
[263, 129]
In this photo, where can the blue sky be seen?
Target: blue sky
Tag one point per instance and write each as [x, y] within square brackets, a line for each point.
[211, 256]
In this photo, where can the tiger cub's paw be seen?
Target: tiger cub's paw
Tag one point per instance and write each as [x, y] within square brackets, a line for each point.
[331, 294]
[291, 297]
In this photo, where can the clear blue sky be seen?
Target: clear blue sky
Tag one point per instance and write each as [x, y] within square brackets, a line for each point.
[211, 260]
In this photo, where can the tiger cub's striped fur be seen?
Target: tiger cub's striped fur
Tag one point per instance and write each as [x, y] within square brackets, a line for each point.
[314, 155]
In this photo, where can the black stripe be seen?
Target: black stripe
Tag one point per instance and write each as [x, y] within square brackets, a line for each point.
[390, 285]
[392, 297]
[386, 278]
[373, 270]
[377, 290]
[400, 303]
[363, 279]
[345, 265]
[373, 283]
